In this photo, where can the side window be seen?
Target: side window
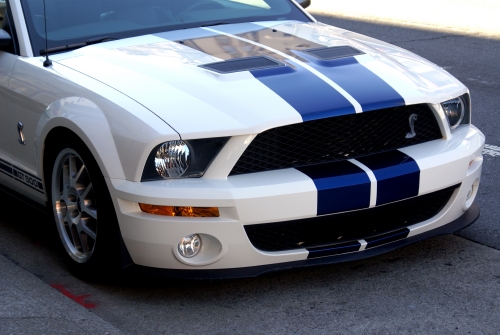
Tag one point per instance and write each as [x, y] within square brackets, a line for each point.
[5, 21]
[3, 5]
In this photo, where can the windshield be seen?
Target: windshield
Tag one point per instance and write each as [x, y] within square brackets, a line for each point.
[77, 21]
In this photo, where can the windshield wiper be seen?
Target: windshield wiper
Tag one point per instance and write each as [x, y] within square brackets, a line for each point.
[78, 45]
[216, 23]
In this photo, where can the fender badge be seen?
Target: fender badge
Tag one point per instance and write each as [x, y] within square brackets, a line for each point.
[20, 131]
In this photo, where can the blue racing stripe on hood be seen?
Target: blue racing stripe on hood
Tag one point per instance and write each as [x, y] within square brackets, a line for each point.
[308, 94]
[398, 175]
[369, 90]
[342, 186]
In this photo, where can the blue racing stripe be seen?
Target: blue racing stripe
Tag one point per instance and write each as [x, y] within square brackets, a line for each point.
[369, 90]
[398, 175]
[342, 186]
[308, 94]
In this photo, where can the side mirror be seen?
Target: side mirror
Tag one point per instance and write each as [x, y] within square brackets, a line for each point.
[304, 3]
[5, 38]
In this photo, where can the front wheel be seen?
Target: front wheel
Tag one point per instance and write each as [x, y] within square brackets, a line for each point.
[83, 210]
[74, 205]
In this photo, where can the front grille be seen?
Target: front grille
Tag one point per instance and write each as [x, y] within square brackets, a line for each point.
[337, 138]
[351, 226]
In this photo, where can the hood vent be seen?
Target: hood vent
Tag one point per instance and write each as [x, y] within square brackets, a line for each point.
[243, 64]
[329, 53]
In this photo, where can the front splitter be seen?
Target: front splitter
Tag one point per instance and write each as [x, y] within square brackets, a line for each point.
[468, 218]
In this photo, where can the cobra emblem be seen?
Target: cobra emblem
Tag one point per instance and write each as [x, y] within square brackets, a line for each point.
[412, 120]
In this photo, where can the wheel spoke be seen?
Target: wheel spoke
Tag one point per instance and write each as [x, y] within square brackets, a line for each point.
[81, 174]
[86, 230]
[65, 176]
[83, 233]
[90, 212]
[86, 236]
[72, 170]
[75, 236]
[87, 191]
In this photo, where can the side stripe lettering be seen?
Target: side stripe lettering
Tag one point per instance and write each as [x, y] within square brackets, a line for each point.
[21, 176]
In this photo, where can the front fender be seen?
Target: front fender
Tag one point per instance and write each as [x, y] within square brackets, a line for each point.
[119, 132]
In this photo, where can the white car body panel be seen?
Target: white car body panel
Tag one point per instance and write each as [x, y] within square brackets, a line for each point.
[124, 98]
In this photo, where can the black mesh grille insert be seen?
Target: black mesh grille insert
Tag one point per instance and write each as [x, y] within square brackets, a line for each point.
[243, 64]
[351, 226]
[337, 138]
[333, 52]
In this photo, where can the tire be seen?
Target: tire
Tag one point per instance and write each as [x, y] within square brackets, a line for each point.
[83, 211]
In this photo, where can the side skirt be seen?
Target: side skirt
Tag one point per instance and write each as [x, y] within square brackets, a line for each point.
[24, 200]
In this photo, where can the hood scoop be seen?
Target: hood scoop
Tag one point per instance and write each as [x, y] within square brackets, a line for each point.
[243, 64]
[329, 53]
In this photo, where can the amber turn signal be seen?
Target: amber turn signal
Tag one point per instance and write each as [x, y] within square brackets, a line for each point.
[193, 212]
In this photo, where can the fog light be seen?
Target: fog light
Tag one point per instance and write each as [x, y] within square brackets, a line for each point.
[190, 246]
[194, 212]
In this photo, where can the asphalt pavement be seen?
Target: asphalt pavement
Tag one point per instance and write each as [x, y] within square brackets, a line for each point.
[448, 284]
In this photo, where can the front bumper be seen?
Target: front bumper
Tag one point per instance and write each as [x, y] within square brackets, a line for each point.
[468, 218]
[277, 196]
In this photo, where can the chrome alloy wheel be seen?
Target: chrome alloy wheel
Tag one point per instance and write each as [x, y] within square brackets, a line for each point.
[74, 205]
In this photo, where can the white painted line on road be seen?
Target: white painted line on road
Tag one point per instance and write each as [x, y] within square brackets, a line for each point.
[491, 150]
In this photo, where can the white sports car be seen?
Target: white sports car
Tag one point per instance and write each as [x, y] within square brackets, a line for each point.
[221, 138]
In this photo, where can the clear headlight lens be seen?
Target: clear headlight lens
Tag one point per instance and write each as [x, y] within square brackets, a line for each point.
[172, 159]
[190, 245]
[457, 111]
[182, 158]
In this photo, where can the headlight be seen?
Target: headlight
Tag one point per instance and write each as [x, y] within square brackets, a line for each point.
[172, 159]
[457, 111]
[182, 159]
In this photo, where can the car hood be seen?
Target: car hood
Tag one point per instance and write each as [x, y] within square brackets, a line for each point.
[164, 72]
